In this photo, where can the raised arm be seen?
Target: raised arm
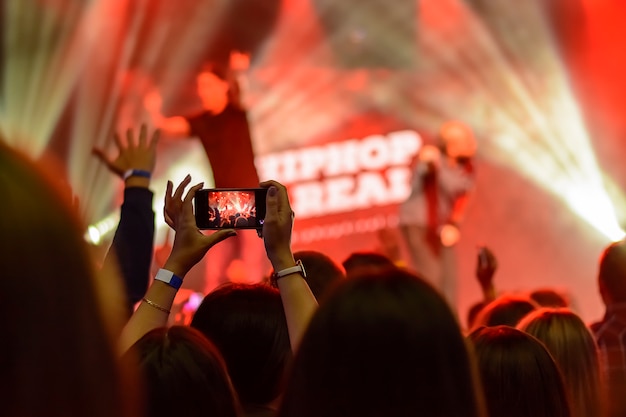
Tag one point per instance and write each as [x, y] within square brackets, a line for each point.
[298, 300]
[190, 246]
[133, 242]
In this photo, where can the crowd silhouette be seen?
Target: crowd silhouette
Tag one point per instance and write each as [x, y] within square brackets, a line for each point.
[365, 337]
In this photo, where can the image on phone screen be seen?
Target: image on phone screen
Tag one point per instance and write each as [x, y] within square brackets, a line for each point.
[230, 208]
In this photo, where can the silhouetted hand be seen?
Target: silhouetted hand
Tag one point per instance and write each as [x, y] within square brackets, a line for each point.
[486, 266]
[133, 154]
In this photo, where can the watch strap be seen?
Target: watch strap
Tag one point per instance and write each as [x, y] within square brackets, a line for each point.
[169, 278]
[136, 173]
[299, 268]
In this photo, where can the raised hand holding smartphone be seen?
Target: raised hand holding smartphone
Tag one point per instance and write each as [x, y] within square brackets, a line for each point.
[230, 208]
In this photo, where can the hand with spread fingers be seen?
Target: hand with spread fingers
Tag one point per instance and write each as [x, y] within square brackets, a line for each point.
[132, 246]
[137, 154]
[189, 247]
[190, 244]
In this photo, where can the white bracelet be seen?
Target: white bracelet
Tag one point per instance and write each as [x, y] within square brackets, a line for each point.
[299, 268]
[169, 278]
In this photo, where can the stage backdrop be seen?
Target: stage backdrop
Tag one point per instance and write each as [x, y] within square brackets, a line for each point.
[340, 95]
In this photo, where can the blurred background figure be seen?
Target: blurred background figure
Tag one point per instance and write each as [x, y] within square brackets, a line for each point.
[431, 216]
[609, 332]
[573, 347]
[358, 262]
[507, 310]
[383, 343]
[549, 297]
[247, 324]
[322, 273]
[57, 354]
[214, 114]
[183, 374]
[519, 376]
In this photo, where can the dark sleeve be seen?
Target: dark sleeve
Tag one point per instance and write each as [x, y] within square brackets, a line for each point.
[133, 242]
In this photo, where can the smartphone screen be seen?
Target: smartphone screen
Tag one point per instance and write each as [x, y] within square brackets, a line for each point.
[230, 208]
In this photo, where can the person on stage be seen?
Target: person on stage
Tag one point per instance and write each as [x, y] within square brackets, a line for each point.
[211, 110]
[430, 217]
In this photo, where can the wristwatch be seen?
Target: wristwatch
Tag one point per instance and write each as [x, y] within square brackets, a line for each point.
[299, 268]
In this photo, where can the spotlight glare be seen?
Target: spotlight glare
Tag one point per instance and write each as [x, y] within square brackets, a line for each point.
[97, 231]
[93, 235]
[593, 205]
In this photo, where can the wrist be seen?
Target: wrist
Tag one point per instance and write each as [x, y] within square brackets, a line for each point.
[489, 292]
[135, 172]
[279, 274]
[139, 182]
[487, 289]
[178, 268]
[282, 260]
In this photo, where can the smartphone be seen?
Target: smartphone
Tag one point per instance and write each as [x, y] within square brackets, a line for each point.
[230, 208]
